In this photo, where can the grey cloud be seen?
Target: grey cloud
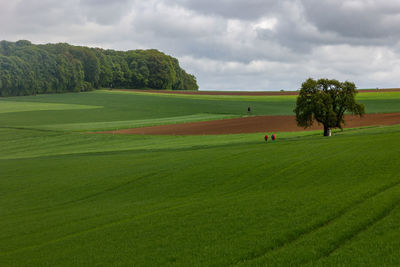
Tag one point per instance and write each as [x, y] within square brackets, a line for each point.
[362, 19]
[39, 16]
[104, 11]
[308, 24]
[249, 10]
[236, 44]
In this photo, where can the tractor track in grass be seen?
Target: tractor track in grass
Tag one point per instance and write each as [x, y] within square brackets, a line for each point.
[318, 226]
[254, 124]
[86, 198]
[95, 228]
[376, 219]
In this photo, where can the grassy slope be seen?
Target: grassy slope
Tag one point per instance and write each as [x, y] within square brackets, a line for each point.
[77, 199]
[298, 200]
[126, 109]
[122, 106]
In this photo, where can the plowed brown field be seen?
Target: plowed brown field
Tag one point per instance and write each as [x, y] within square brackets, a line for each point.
[255, 124]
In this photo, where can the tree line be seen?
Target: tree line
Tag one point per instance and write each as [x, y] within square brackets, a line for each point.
[27, 69]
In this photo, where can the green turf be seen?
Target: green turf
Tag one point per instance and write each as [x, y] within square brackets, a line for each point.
[77, 199]
[122, 108]
[119, 109]
[18, 106]
[109, 125]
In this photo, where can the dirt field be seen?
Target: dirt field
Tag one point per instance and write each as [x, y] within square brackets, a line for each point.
[254, 125]
[245, 93]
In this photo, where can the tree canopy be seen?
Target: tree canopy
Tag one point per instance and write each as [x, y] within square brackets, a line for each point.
[27, 69]
[326, 102]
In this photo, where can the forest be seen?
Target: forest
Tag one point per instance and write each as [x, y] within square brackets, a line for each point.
[29, 69]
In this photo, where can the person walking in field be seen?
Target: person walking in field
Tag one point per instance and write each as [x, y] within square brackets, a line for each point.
[248, 110]
[273, 137]
[266, 138]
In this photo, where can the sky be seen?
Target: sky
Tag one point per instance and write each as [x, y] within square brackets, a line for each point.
[230, 44]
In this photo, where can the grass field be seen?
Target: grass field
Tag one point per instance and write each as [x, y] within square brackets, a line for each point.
[71, 198]
[107, 110]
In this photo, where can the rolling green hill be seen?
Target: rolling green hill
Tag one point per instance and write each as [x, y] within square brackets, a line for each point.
[72, 198]
[106, 110]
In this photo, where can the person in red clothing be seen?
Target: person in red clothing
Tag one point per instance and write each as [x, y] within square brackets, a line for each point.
[273, 137]
[266, 137]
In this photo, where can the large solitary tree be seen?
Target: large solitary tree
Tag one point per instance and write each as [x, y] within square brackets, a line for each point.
[326, 101]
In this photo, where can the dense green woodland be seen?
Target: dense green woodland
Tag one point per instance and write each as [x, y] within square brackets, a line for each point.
[27, 69]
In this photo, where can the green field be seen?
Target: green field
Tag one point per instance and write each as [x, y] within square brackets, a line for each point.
[104, 110]
[68, 198]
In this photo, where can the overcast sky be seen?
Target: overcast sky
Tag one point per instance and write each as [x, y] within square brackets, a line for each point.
[230, 44]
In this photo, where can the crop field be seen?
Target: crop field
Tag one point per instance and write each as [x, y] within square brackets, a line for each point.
[73, 198]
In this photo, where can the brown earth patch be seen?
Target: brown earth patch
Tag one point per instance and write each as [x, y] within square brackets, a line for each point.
[255, 124]
[261, 93]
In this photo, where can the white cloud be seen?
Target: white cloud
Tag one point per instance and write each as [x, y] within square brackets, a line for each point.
[230, 45]
[265, 24]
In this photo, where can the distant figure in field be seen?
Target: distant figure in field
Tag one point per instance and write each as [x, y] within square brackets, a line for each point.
[273, 137]
[110, 86]
[249, 109]
[266, 137]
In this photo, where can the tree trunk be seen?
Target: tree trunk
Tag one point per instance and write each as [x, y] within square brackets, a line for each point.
[327, 131]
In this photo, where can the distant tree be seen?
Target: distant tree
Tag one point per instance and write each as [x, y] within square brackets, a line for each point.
[27, 69]
[326, 101]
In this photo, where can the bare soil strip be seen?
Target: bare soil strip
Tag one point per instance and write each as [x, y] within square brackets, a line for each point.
[254, 125]
[245, 93]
